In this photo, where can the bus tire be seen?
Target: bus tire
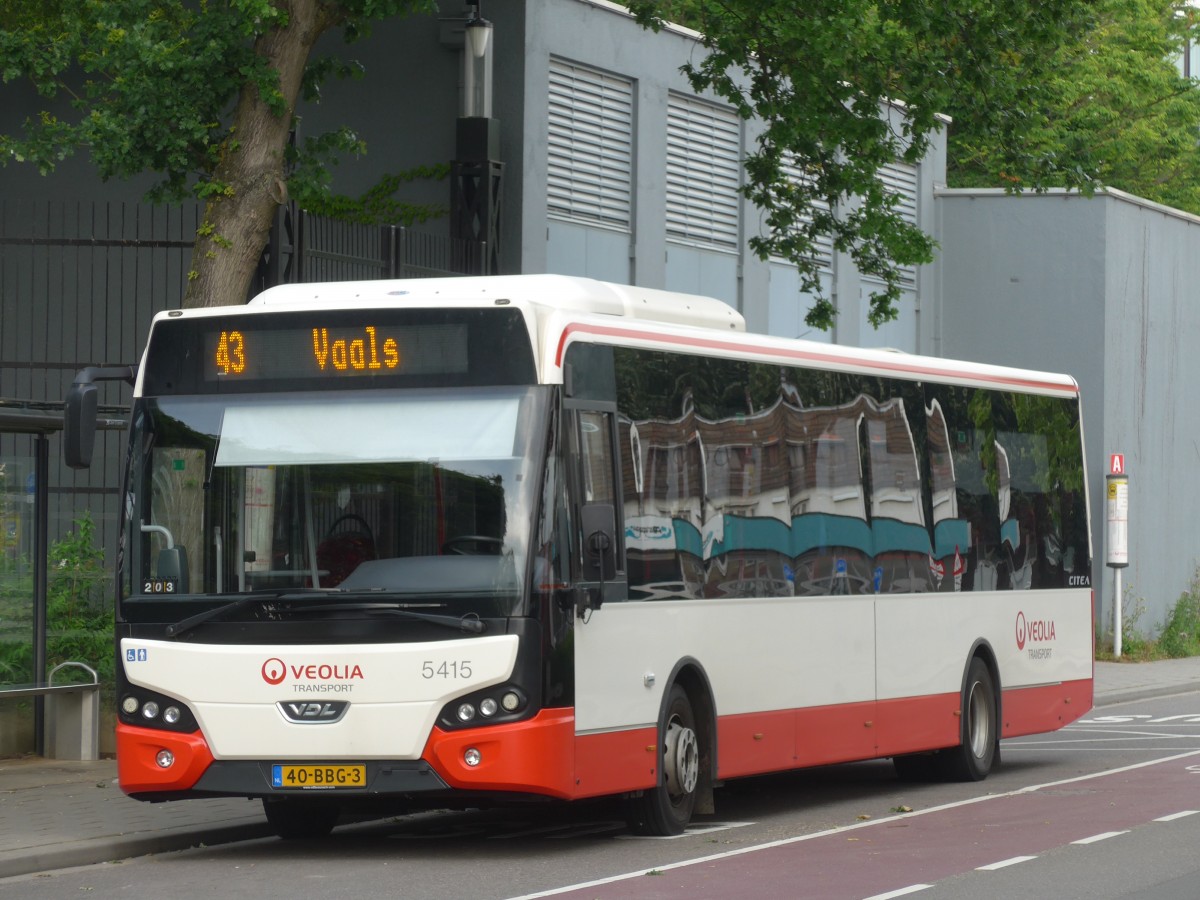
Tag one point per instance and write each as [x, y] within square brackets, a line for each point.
[298, 819]
[974, 757]
[667, 808]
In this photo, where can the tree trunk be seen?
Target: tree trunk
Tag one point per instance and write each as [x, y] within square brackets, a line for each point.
[237, 221]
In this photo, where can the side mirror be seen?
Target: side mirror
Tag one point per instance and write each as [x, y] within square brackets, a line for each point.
[79, 411]
[79, 425]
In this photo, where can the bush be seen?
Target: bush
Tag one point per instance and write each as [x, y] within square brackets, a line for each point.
[1181, 633]
[1179, 636]
[80, 602]
[79, 610]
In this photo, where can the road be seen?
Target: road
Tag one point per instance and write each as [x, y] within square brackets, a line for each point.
[1107, 808]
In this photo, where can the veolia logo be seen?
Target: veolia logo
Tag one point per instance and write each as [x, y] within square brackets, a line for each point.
[1034, 631]
[274, 671]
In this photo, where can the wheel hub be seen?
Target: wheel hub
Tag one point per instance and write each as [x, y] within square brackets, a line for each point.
[682, 760]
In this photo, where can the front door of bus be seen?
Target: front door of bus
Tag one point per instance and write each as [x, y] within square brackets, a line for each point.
[599, 556]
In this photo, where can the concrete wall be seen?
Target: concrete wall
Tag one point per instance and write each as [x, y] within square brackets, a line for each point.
[1103, 289]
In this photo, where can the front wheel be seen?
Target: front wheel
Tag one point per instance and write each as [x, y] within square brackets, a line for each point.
[294, 818]
[667, 808]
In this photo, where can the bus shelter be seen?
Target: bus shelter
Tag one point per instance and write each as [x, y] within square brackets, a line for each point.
[25, 476]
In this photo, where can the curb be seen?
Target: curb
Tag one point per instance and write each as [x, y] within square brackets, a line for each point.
[26, 861]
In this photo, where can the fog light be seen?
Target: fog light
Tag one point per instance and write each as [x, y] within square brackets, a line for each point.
[171, 715]
[488, 706]
[129, 705]
[471, 757]
[510, 701]
[165, 759]
[150, 710]
[466, 712]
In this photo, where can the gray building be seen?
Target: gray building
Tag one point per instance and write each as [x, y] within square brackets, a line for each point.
[1103, 288]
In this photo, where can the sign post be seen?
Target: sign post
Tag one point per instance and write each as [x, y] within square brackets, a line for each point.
[1117, 537]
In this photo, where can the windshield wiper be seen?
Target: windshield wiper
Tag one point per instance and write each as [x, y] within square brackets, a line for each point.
[469, 622]
[243, 601]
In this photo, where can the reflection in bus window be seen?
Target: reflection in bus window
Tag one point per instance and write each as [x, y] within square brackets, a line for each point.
[840, 484]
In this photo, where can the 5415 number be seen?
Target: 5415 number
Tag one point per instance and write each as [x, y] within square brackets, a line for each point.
[447, 669]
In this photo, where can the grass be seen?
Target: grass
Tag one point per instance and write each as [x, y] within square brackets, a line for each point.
[1178, 638]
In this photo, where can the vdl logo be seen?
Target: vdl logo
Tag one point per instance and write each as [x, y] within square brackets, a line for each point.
[1034, 631]
[314, 713]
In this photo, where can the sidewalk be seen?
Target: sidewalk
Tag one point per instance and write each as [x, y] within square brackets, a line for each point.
[59, 813]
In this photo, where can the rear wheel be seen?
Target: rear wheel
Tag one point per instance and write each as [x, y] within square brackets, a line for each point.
[978, 750]
[972, 760]
[297, 818]
[667, 808]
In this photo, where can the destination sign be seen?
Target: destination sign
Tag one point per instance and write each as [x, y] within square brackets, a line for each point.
[337, 349]
[334, 351]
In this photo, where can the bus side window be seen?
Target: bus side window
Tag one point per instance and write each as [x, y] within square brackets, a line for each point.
[595, 452]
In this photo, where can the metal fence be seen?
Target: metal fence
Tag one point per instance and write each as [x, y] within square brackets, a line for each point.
[81, 281]
[79, 284]
[307, 248]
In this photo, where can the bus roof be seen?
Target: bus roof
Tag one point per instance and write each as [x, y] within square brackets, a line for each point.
[562, 309]
[558, 293]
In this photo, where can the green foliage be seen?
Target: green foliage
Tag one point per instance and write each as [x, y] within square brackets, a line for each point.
[1178, 637]
[844, 87]
[1134, 642]
[1116, 112]
[16, 661]
[1180, 634]
[79, 614]
[150, 85]
[311, 176]
[80, 602]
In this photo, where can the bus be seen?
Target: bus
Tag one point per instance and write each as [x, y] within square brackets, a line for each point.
[474, 541]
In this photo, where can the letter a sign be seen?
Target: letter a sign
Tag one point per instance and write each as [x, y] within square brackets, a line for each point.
[1116, 464]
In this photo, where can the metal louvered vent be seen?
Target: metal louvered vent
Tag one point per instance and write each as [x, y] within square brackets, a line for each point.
[703, 172]
[590, 146]
[901, 179]
[823, 244]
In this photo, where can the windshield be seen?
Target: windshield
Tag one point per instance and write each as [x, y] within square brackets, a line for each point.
[423, 496]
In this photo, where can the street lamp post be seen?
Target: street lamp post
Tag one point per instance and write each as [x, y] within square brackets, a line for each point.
[475, 173]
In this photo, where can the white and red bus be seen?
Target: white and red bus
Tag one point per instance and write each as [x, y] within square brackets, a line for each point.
[464, 541]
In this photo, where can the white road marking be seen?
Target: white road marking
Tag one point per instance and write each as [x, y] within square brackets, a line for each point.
[1099, 837]
[1004, 863]
[911, 889]
[688, 832]
[1179, 815]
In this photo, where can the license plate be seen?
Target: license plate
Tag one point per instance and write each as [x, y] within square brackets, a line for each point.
[318, 777]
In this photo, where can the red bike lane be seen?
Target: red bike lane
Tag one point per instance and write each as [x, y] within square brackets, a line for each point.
[888, 855]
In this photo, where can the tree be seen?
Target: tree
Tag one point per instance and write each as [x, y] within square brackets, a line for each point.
[202, 94]
[830, 79]
[1120, 111]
